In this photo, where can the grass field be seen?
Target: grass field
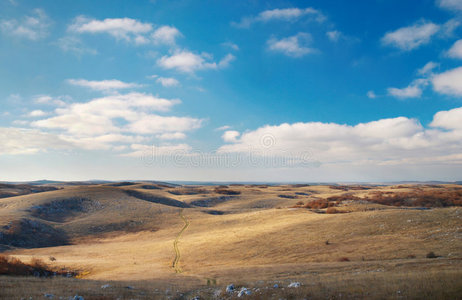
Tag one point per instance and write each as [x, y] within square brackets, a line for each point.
[367, 242]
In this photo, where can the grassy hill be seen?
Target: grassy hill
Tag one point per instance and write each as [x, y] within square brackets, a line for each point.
[250, 235]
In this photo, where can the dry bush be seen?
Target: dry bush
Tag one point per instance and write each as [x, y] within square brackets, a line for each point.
[15, 267]
[431, 254]
[342, 259]
[333, 210]
[418, 198]
[226, 191]
[319, 204]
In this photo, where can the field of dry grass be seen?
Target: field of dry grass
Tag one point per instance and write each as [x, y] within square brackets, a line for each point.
[337, 241]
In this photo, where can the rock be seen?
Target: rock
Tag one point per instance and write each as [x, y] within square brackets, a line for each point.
[230, 288]
[294, 285]
[244, 291]
[105, 286]
[49, 296]
[77, 297]
[129, 287]
[217, 293]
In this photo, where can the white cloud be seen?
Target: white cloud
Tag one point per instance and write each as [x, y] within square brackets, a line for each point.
[98, 116]
[230, 45]
[334, 35]
[412, 37]
[148, 151]
[285, 14]
[428, 68]
[37, 113]
[168, 81]
[165, 35]
[451, 4]
[449, 82]
[230, 136]
[371, 95]
[33, 27]
[108, 122]
[294, 46]
[46, 99]
[172, 136]
[225, 127]
[127, 29]
[450, 120]
[411, 91]
[456, 50]
[103, 85]
[386, 141]
[14, 141]
[188, 62]
[74, 45]
[225, 61]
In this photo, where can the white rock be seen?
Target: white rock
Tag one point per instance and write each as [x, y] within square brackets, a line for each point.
[230, 288]
[294, 285]
[105, 286]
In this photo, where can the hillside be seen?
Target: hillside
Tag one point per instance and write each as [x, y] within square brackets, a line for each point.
[246, 233]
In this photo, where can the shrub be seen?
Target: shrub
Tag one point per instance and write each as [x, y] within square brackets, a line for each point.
[226, 191]
[341, 259]
[15, 267]
[333, 210]
[431, 254]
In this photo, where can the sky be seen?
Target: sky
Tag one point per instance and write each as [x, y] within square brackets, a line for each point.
[275, 91]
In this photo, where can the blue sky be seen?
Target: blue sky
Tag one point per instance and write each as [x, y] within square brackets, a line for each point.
[231, 90]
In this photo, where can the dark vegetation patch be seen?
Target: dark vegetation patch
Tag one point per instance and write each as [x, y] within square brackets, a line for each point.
[150, 187]
[15, 267]
[299, 185]
[226, 191]
[214, 212]
[64, 209]
[126, 226]
[209, 202]
[156, 199]
[188, 191]
[12, 190]
[302, 194]
[420, 198]
[124, 183]
[26, 233]
[287, 196]
[350, 187]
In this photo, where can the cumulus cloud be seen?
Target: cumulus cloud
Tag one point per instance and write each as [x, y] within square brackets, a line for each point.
[414, 90]
[371, 95]
[49, 100]
[455, 5]
[428, 68]
[230, 45]
[230, 136]
[168, 81]
[120, 28]
[294, 46]
[127, 29]
[189, 62]
[411, 37]
[456, 50]
[165, 35]
[32, 27]
[103, 85]
[117, 120]
[37, 113]
[284, 14]
[448, 82]
[334, 35]
[74, 45]
[385, 141]
[16, 141]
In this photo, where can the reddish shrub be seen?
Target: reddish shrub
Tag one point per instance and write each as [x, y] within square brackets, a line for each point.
[333, 210]
[344, 259]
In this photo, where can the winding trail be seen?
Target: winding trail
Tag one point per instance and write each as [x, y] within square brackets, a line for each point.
[176, 261]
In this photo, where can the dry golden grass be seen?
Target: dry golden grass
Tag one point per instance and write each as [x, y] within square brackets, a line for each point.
[246, 235]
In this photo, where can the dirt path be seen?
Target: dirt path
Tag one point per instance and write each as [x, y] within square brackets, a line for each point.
[176, 261]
